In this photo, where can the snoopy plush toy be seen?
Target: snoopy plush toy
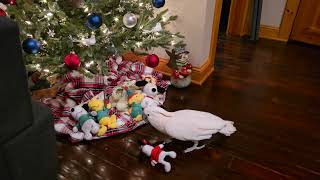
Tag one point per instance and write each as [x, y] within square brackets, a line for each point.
[157, 154]
[86, 123]
[151, 92]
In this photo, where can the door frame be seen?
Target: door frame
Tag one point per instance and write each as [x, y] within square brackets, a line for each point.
[240, 12]
[239, 17]
[289, 15]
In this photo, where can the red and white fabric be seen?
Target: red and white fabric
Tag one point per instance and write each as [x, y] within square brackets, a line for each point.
[79, 88]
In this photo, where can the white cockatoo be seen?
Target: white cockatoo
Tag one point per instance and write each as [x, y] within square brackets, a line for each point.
[188, 125]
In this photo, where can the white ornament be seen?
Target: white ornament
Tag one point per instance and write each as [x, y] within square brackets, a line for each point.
[90, 41]
[155, 29]
[149, 7]
[49, 15]
[51, 33]
[86, 41]
[120, 9]
[105, 30]
[130, 20]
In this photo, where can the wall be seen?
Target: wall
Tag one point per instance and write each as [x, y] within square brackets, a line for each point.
[195, 22]
[272, 12]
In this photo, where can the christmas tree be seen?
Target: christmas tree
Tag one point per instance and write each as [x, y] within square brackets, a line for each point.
[63, 35]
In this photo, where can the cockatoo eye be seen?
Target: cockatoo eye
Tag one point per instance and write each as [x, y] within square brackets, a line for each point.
[154, 89]
[72, 110]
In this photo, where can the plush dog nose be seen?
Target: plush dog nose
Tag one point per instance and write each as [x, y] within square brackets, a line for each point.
[154, 89]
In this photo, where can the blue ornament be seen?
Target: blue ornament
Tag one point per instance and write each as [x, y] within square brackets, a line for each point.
[94, 21]
[158, 3]
[31, 46]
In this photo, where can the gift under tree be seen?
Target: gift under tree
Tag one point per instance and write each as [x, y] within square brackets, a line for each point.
[63, 35]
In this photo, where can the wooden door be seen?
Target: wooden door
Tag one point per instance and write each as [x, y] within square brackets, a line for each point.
[306, 27]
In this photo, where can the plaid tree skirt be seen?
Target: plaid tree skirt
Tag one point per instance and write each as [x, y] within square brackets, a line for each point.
[79, 89]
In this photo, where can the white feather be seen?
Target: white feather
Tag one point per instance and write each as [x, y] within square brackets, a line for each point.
[188, 125]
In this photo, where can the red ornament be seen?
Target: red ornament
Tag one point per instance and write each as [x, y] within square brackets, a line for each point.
[2, 13]
[184, 71]
[3, 9]
[175, 74]
[72, 61]
[189, 66]
[152, 60]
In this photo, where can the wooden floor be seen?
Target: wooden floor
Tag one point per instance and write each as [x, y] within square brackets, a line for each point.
[269, 89]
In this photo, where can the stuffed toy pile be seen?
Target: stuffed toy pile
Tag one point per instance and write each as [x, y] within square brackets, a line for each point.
[103, 106]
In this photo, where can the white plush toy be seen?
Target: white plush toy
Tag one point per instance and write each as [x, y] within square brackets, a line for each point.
[63, 128]
[64, 122]
[151, 92]
[119, 99]
[88, 125]
[157, 155]
[188, 125]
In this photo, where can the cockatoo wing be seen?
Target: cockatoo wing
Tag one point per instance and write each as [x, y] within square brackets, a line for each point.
[190, 125]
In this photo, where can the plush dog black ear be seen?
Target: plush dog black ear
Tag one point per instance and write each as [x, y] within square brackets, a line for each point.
[161, 89]
[141, 83]
[86, 107]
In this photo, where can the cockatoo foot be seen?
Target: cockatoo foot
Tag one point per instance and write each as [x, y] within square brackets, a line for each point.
[194, 147]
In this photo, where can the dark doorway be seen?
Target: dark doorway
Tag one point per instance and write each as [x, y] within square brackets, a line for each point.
[224, 16]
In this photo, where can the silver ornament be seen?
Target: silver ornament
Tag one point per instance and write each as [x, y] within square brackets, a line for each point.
[130, 20]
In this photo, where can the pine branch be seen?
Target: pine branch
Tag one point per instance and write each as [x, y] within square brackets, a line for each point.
[67, 18]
